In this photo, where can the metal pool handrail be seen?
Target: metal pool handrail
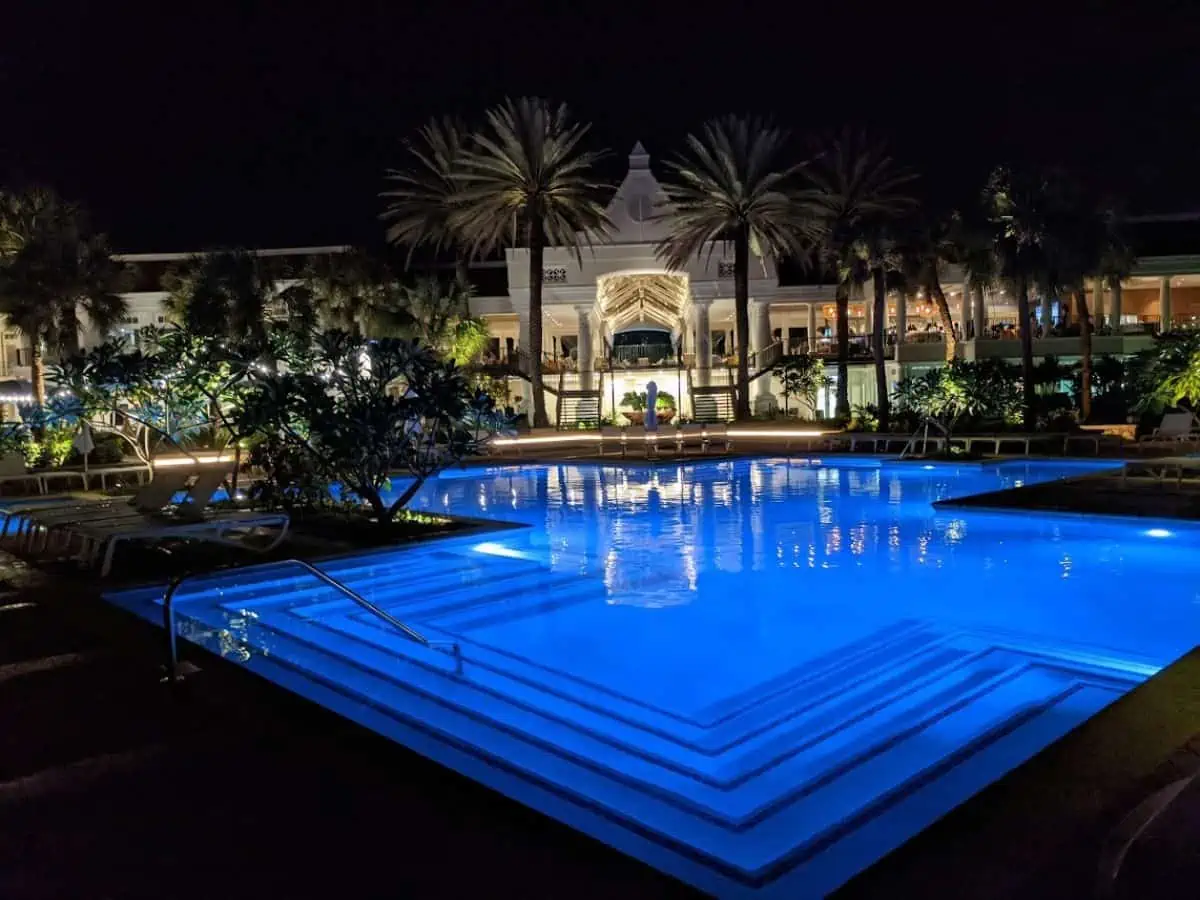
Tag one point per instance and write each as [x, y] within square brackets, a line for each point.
[408, 631]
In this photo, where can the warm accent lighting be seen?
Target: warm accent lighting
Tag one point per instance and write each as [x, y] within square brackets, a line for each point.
[773, 433]
[667, 434]
[198, 459]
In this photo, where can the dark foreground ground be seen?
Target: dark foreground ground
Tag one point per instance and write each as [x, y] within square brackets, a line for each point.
[113, 785]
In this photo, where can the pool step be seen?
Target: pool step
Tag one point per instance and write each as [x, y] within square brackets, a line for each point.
[665, 765]
[779, 819]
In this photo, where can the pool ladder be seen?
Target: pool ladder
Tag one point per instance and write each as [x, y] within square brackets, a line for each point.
[173, 666]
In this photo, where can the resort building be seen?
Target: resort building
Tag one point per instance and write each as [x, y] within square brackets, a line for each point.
[616, 318]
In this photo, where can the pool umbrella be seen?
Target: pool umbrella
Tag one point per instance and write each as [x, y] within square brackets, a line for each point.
[651, 413]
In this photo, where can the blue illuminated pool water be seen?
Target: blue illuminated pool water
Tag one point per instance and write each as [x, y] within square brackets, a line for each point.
[758, 675]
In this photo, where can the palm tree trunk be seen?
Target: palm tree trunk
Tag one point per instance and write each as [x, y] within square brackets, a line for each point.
[741, 300]
[877, 347]
[1026, 332]
[37, 368]
[1085, 354]
[939, 299]
[461, 276]
[842, 304]
[536, 254]
[37, 375]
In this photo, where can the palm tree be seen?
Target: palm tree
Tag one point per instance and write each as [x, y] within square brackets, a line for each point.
[52, 265]
[421, 211]
[731, 185]
[354, 292]
[855, 190]
[926, 246]
[439, 316]
[526, 179]
[975, 252]
[1076, 235]
[230, 294]
[1015, 203]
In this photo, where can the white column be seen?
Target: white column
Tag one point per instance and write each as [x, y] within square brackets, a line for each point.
[760, 331]
[1115, 314]
[811, 327]
[901, 316]
[1164, 304]
[1047, 319]
[586, 351]
[700, 316]
[964, 312]
[760, 326]
[868, 305]
[524, 345]
[1097, 302]
[980, 318]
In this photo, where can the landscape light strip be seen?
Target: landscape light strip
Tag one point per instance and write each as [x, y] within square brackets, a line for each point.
[668, 435]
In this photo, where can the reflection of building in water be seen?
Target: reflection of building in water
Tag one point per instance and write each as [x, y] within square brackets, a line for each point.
[652, 533]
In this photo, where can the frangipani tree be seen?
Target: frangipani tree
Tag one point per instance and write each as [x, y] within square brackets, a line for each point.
[369, 411]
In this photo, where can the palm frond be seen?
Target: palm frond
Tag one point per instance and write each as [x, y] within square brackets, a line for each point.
[423, 199]
[526, 169]
[732, 177]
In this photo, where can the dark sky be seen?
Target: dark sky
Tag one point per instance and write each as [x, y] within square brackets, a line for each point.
[187, 125]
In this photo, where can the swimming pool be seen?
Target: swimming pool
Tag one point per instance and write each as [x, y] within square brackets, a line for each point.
[757, 675]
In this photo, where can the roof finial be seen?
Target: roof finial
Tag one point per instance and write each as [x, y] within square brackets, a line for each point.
[638, 157]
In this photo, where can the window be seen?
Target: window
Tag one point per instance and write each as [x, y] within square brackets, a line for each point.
[718, 343]
[554, 274]
[23, 357]
[569, 344]
[725, 268]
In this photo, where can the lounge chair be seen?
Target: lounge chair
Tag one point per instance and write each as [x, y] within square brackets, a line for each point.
[689, 434]
[100, 541]
[1174, 428]
[612, 435]
[151, 497]
[717, 434]
[640, 437]
[1162, 469]
[197, 489]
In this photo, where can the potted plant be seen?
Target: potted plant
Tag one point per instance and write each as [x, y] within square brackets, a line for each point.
[636, 403]
[664, 406]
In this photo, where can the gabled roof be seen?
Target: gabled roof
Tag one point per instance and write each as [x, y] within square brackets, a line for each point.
[637, 202]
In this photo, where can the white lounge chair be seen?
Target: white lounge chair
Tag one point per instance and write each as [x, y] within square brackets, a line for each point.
[717, 434]
[1175, 427]
[100, 541]
[689, 434]
[648, 440]
[152, 497]
[197, 487]
[612, 436]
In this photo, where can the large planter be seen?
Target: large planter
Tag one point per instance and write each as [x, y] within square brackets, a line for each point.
[638, 419]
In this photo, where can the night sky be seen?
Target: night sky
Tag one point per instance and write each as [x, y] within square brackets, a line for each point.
[184, 126]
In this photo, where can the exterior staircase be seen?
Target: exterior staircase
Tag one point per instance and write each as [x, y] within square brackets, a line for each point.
[579, 408]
